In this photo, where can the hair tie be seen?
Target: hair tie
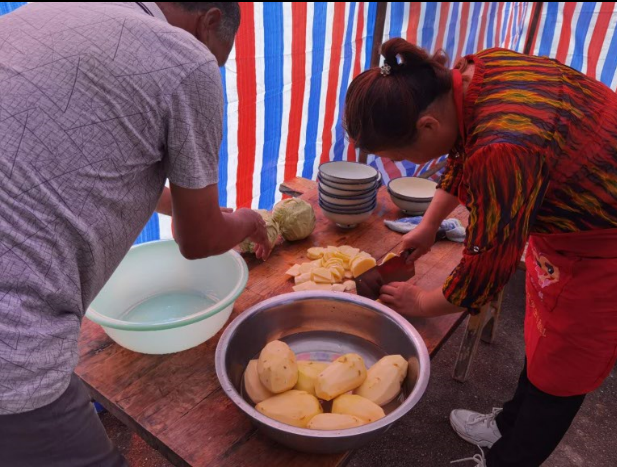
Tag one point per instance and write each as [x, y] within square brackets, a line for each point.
[386, 69]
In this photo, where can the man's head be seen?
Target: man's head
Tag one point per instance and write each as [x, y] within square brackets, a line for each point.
[214, 24]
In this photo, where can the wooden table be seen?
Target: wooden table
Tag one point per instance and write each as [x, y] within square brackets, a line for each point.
[175, 402]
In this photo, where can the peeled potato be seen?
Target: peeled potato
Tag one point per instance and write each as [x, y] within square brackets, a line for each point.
[295, 408]
[346, 373]
[351, 404]
[307, 267]
[337, 273]
[302, 278]
[307, 374]
[334, 421]
[321, 276]
[315, 253]
[360, 265]
[388, 257]
[338, 288]
[349, 285]
[384, 379]
[252, 384]
[294, 270]
[277, 367]
[310, 285]
[349, 250]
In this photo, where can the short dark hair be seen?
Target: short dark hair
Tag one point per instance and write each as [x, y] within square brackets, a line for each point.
[230, 10]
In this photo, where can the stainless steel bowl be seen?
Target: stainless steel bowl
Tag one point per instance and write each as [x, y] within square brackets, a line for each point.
[322, 325]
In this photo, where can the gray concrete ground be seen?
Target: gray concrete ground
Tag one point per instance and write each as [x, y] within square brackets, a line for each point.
[424, 438]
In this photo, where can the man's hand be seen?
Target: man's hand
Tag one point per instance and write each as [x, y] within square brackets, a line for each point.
[260, 234]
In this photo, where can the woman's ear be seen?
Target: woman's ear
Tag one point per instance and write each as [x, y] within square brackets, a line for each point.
[427, 123]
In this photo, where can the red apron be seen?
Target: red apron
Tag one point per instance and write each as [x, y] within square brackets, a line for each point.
[571, 316]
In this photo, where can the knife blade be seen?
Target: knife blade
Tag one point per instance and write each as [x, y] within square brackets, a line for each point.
[396, 269]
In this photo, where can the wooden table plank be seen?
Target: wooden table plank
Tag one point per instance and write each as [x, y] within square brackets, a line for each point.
[175, 402]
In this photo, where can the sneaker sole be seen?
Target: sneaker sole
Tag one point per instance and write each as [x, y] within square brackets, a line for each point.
[481, 443]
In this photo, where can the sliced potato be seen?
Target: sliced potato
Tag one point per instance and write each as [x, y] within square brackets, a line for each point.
[307, 267]
[307, 375]
[334, 421]
[296, 408]
[338, 288]
[361, 265]
[388, 257]
[302, 278]
[315, 252]
[357, 406]
[349, 285]
[384, 379]
[349, 250]
[252, 384]
[346, 373]
[348, 275]
[294, 270]
[277, 367]
[322, 276]
[310, 285]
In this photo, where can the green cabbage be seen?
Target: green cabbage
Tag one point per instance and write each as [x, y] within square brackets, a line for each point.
[271, 227]
[295, 217]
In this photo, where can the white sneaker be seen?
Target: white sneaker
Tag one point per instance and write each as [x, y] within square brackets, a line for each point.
[479, 459]
[476, 428]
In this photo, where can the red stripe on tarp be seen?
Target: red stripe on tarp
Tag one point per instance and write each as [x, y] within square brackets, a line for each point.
[247, 110]
[463, 32]
[298, 81]
[351, 150]
[498, 31]
[443, 24]
[414, 20]
[338, 29]
[598, 36]
[391, 169]
[565, 33]
[482, 36]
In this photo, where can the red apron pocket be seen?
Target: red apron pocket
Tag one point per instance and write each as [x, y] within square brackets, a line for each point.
[548, 272]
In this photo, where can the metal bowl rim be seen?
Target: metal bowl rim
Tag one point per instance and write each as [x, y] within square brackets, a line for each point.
[411, 400]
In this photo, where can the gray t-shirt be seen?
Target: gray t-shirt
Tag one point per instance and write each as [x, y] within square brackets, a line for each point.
[99, 104]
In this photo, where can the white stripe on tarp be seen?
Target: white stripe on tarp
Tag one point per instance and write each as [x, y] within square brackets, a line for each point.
[420, 30]
[231, 83]
[525, 29]
[287, 58]
[575, 17]
[558, 29]
[324, 85]
[310, 12]
[260, 72]
[387, 24]
[354, 54]
[339, 83]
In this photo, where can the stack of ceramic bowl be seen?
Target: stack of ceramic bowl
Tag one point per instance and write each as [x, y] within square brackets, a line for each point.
[348, 192]
[412, 194]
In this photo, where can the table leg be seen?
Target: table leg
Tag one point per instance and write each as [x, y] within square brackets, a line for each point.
[490, 329]
[469, 345]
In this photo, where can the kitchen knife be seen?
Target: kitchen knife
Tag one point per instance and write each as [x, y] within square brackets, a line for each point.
[396, 269]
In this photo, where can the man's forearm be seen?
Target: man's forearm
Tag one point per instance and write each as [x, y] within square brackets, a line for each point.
[164, 204]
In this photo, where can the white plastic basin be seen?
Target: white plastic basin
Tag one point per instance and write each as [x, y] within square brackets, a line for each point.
[158, 302]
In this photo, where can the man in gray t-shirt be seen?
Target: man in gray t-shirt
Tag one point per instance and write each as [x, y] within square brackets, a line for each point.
[100, 103]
